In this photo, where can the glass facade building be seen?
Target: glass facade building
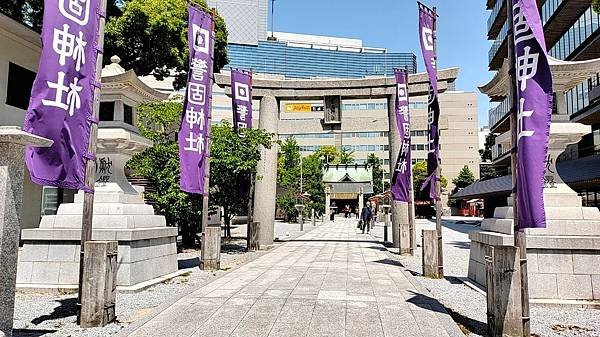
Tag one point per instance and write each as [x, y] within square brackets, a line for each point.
[274, 57]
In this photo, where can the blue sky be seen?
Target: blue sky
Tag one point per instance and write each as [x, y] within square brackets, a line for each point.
[393, 24]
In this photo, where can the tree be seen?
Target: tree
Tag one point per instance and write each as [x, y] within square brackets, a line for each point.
[419, 177]
[232, 164]
[374, 162]
[346, 157]
[150, 37]
[328, 154]
[596, 6]
[487, 172]
[486, 153]
[31, 12]
[288, 177]
[159, 122]
[233, 159]
[464, 178]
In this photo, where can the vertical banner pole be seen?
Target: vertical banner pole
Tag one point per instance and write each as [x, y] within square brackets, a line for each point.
[90, 166]
[438, 177]
[411, 193]
[208, 141]
[519, 236]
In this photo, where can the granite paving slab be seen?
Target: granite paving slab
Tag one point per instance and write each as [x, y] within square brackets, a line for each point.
[332, 281]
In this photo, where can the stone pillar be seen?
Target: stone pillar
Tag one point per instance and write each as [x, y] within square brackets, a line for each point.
[12, 145]
[327, 203]
[399, 209]
[264, 194]
[561, 102]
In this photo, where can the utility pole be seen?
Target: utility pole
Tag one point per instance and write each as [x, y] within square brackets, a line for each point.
[520, 239]
[90, 165]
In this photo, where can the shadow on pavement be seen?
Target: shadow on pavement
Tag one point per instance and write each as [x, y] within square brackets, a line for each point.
[67, 308]
[188, 263]
[461, 244]
[32, 332]
[430, 303]
[390, 262]
[333, 240]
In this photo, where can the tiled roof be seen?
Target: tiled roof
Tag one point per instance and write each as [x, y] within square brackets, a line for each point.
[573, 171]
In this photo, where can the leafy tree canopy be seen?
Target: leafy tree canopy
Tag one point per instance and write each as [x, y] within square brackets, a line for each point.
[419, 177]
[288, 177]
[150, 37]
[596, 6]
[464, 178]
[233, 159]
[374, 162]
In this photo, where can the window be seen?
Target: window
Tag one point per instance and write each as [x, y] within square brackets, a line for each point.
[107, 111]
[20, 82]
[128, 114]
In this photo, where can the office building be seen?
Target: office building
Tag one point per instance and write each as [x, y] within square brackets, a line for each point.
[246, 19]
[572, 33]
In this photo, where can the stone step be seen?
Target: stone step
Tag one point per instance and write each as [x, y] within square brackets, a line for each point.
[105, 221]
[504, 226]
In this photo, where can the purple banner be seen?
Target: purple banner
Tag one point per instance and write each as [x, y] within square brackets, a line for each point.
[241, 95]
[403, 170]
[61, 105]
[427, 35]
[534, 103]
[194, 131]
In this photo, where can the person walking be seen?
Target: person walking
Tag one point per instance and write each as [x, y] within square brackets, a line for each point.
[366, 217]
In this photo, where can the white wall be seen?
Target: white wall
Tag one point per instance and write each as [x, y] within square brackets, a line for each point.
[20, 46]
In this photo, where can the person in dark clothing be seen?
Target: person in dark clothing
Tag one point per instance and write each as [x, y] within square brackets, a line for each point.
[366, 216]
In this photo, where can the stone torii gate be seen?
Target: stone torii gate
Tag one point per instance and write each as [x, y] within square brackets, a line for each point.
[271, 92]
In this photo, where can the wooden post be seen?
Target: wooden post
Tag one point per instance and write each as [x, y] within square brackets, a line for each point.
[430, 253]
[503, 279]
[99, 288]
[438, 185]
[254, 243]
[211, 248]
[386, 224]
[250, 229]
[520, 240]
[211, 237]
[411, 193]
[314, 223]
[90, 166]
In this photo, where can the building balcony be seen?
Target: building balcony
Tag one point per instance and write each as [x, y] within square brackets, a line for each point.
[497, 19]
[498, 114]
[559, 15]
[499, 48]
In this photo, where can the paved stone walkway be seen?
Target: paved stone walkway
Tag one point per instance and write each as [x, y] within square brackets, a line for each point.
[329, 282]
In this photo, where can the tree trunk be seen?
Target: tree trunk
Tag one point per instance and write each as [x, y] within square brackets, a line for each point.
[227, 220]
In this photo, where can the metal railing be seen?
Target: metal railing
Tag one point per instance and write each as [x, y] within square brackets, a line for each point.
[497, 113]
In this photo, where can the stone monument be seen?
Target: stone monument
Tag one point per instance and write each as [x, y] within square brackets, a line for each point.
[564, 258]
[12, 147]
[147, 247]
